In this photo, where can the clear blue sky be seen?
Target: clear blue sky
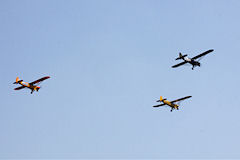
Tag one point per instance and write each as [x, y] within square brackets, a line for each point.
[109, 61]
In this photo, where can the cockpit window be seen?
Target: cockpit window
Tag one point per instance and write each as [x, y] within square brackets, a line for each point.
[25, 83]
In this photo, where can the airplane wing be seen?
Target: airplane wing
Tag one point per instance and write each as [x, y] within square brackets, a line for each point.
[159, 105]
[203, 54]
[179, 64]
[180, 99]
[39, 80]
[18, 88]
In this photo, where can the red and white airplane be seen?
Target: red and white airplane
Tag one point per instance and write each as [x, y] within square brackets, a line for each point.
[29, 85]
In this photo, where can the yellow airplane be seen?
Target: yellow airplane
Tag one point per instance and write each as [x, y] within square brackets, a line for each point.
[170, 103]
[29, 85]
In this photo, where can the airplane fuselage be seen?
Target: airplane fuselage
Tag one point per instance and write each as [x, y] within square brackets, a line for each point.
[32, 87]
[172, 105]
[191, 61]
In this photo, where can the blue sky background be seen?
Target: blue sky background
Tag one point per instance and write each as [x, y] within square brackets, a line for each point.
[109, 61]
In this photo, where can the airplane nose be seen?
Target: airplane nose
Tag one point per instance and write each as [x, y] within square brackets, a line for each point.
[38, 88]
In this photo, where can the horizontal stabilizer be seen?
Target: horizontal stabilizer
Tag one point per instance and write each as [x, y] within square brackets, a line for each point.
[17, 81]
[181, 56]
[161, 99]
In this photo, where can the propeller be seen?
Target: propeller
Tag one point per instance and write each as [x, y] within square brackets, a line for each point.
[199, 64]
[39, 88]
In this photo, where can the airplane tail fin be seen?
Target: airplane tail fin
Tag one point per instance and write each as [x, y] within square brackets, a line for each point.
[181, 56]
[17, 81]
[161, 98]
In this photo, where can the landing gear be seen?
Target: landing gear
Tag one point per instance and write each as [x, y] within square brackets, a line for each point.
[31, 91]
[171, 110]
